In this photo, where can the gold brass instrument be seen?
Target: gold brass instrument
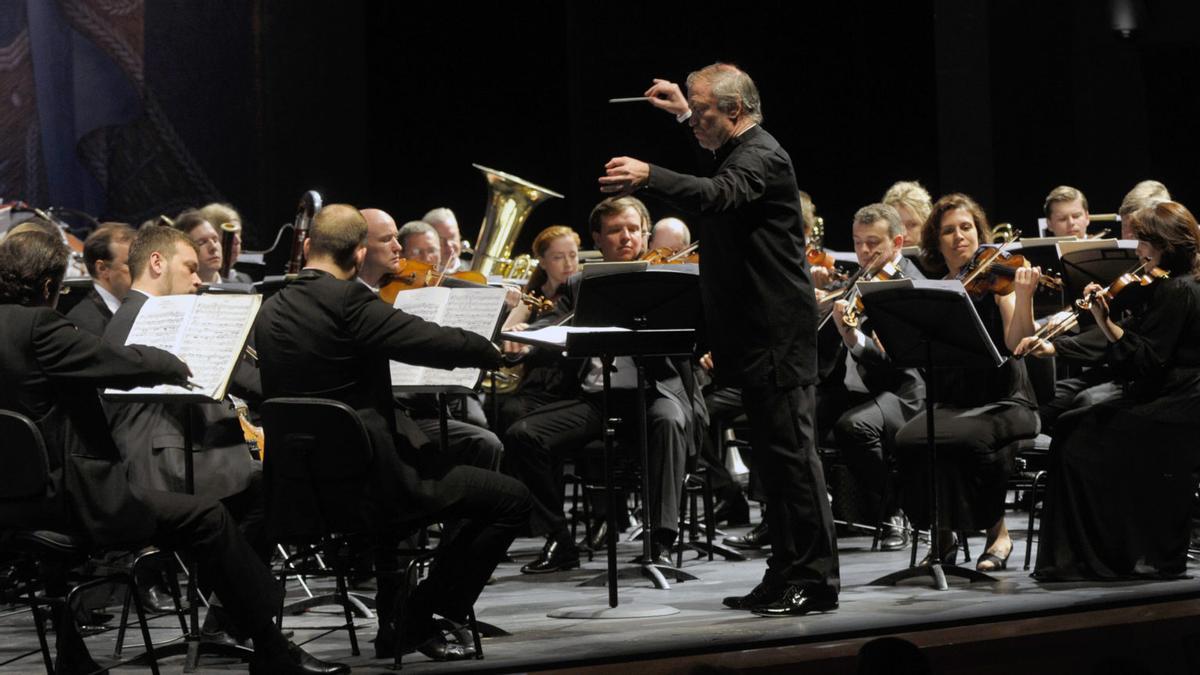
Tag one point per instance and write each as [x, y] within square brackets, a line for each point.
[1003, 233]
[310, 203]
[510, 201]
[228, 232]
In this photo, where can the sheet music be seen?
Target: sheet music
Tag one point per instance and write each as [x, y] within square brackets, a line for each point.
[208, 332]
[473, 309]
[556, 336]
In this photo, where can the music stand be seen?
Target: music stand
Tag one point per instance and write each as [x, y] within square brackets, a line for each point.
[1098, 261]
[929, 324]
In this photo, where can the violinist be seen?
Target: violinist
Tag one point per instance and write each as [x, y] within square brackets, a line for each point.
[911, 200]
[419, 241]
[443, 220]
[470, 442]
[1067, 212]
[979, 411]
[1143, 194]
[866, 399]
[1119, 499]
[671, 234]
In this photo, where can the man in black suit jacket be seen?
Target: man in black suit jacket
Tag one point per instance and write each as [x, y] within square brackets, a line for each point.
[760, 314]
[865, 399]
[106, 255]
[51, 372]
[326, 335]
[536, 442]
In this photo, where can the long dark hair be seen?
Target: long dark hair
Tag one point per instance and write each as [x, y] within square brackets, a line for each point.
[931, 231]
[32, 265]
[1171, 228]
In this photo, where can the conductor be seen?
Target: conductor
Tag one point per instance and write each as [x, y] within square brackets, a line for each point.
[760, 316]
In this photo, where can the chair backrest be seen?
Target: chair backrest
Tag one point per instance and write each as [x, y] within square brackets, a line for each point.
[316, 468]
[24, 467]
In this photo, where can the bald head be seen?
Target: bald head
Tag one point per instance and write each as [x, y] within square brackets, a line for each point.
[383, 248]
[336, 235]
[670, 233]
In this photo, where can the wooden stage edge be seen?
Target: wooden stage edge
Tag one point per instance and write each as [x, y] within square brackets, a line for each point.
[1161, 632]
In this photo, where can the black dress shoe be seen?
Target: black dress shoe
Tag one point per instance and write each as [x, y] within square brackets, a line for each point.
[426, 638]
[758, 537]
[798, 601]
[156, 599]
[295, 661]
[895, 534]
[733, 510]
[556, 555]
[599, 539]
[760, 596]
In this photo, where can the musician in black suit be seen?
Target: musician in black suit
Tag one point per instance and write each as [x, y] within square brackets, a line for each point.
[51, 373]
[326, 335]
[106, 255]
[866, 399]
[760, 316]
[537, 442]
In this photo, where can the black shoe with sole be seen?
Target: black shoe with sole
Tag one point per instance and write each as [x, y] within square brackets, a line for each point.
[798, 601]
[557, 555]
[761, 595]
[756, 538]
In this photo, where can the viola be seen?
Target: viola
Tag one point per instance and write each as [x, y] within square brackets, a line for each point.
[666, 256]
[855, 308]
[992, 269]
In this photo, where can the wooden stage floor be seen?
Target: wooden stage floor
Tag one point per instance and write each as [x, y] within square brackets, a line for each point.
[1014, 624]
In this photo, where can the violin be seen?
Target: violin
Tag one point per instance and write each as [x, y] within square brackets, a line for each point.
[410, 274]
[1127, 289]
[993, 269]
[666, 256]
[855, 309]
[825, 303]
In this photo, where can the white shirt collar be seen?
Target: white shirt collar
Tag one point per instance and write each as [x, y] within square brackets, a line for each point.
[110, 300]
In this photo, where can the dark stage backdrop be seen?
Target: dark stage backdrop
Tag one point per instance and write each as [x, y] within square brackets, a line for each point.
[387, 104]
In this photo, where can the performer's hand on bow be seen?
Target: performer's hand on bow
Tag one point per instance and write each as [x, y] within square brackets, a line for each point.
[1034, 346]
[624, 175]
[1099, 303]
[667, 96]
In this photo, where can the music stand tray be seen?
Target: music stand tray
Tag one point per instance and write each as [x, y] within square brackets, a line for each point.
[929, 324]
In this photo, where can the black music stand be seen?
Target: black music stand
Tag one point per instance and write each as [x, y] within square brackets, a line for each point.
[929, 325]
[1107, 260]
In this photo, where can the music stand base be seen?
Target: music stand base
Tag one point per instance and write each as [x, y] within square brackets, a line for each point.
[657, 574]
[194, 649]
[361, 605]
[703, 548]
[630, 610]
[938, 574]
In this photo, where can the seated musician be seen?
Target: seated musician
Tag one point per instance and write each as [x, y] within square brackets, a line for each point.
[443, 220]
[978, 411]
[911, 200]
[1095, 383]
[537, 442]
[469, 443]
[218, 213]
[106, 254]
[556, 249]
[1066, 213]
[208, 244]
[671, 234]
[1120, 495]
[163, 262]
[865, 400]
[326, 335]
[51, 372]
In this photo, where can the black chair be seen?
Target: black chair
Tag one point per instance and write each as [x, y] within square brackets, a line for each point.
[315, 473]
[43, 560]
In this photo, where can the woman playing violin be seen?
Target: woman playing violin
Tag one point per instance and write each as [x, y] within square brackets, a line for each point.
[1121, 482]
[557, 251]
[978, 411]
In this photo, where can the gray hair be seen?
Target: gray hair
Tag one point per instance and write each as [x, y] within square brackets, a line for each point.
[415, 227]
[731, 87]
[873, 213]
[912, 195]
[439, 215]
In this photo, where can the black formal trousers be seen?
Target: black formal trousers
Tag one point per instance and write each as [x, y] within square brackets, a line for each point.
[537, 443]
[1093, 386]
[803, 540]
[863, 426]
[974, 462]
[466, 443]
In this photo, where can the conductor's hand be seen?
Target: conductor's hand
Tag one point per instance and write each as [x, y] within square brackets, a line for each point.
[706, 361]
[624, 175]
[1025, 282]
[667, 96]
[1034, 346]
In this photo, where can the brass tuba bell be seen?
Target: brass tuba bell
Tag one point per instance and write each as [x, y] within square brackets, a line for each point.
[510, 200]
[1002, 233]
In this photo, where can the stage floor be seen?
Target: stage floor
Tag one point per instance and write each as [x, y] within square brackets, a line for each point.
[519, 604]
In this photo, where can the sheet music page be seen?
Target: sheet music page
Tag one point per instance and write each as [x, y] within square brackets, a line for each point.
[556, 336]
[208, 332]
[473, 309]
[427, 303]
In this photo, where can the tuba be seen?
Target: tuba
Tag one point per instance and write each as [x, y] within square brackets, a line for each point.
[310, 203]
[510, 200]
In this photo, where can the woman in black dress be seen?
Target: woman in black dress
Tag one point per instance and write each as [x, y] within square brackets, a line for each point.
[1118, 505]
[979, 411]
